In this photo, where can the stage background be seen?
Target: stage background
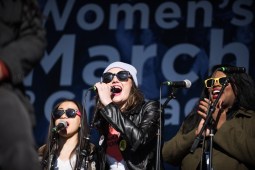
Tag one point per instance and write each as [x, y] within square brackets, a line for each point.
[164, 40]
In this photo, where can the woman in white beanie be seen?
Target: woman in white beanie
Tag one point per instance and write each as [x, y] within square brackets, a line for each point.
[127, 123]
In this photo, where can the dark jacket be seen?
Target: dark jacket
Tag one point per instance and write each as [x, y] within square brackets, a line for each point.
[138, 127]
[233, 146]
[22, 44]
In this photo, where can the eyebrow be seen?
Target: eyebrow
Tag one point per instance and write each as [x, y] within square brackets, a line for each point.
[61, 108]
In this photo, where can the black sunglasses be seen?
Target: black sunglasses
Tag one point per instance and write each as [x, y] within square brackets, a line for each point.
[70, 113]
[121, 75]
[211, 81]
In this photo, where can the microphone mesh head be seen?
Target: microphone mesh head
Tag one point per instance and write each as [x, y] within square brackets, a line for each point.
[64, 123]
[188, 83]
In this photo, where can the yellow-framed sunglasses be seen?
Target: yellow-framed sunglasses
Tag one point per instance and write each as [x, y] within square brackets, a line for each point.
[211, 81]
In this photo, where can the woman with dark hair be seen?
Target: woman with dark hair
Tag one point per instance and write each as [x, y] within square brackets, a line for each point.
[68, 147]
[128, 124]
[232, 124]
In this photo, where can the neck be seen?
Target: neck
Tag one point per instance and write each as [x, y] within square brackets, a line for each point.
[66, 146]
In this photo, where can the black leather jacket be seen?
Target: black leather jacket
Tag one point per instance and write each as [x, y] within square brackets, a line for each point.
[138, 127]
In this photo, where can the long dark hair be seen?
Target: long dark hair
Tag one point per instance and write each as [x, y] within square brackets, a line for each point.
[49, 151]
[244, 89]
[135, 98]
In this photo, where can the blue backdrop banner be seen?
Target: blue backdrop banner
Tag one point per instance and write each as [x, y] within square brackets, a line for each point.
[165, 40]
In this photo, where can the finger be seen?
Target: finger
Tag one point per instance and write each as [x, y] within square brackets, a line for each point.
[207, 100]
[200, 125]
[205, 103]
[207, 132]
[202, 110]
[202, 114]
[220, 104]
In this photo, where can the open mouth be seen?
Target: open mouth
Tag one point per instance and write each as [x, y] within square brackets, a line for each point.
[215, 93]
[116, 89]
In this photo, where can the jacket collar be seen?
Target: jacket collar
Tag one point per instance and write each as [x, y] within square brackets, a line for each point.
[244, 112]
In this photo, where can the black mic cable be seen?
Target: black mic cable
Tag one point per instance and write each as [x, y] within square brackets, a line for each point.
[113, 89]
[232, 69]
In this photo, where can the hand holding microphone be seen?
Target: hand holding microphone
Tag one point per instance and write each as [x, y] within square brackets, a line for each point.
[104, 92]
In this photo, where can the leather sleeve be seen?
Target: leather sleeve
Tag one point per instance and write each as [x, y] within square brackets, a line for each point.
[136, 132]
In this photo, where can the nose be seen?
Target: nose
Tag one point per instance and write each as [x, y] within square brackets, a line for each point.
[115, 78]
[64, 116]
[216, 82]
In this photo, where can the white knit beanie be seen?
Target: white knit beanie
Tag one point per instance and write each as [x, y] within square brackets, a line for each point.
[131, 69]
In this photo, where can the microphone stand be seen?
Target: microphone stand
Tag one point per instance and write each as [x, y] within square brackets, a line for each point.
[206, 123]
[47, 161]
[170, 97]
[84, 152]
[158, 156]
[84, 149]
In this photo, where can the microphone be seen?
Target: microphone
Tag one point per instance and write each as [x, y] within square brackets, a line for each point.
[61, 126]
[232, 69]
[113, 89]
[182, 84]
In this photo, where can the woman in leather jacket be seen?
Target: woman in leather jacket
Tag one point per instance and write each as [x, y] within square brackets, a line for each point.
[127, 123]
